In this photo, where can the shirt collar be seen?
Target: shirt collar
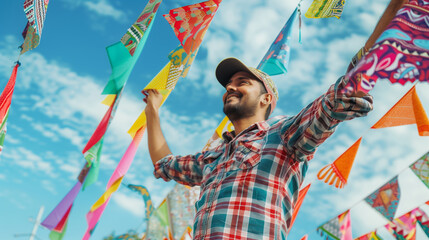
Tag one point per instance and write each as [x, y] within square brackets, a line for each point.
[262, 126]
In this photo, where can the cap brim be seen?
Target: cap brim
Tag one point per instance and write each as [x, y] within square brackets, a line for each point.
[228, 67]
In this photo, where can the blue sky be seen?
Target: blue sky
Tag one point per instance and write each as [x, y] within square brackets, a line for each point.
[56, 107]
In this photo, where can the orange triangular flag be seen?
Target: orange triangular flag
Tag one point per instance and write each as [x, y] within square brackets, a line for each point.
[339, 170]
[305, 237]
[408, 110]
[301, 196]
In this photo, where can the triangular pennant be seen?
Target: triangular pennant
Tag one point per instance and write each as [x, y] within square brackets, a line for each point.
[162, 213]
[181, 60]
[122, 63]
[421, 169]
[325, 9]
[102, 126]
[6, 96]
[403, 227]
[276, 60]
[346, 227]
[369, 236]
[225, 125]
[408, 110]
[60, 227]
[338, 227]
[422, 219]
[338, 171]
[191, 22]
[35, 11]
[136, 32]
[58, 213]
[305, 237]
[54, 235]
[386, 199]
[301, 195]
[92, 156]
[3, 130]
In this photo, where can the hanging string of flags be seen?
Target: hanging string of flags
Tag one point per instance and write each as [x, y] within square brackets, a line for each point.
[122, 61]
[384, 200]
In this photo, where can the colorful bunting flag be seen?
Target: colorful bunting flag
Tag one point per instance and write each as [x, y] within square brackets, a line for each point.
[54, 235]
[225, 125]
[164, 81]
[301, 195]
[146, 198]
[35, 11]
[338, 228]
[163, 213]
[114, 182]
[191, 22]
[156, 228]
[136, 32]
[369, 236]
[6, 97]
[338, 171]
[422, 219]
[408, 110]
[305, 237]
[421, 169]
[401, 53]
[122, 62]
[57, 219]
[403, 227]
[386, 199]
[182, 61]
[60, 212]
[276, 60]
[3, 130]
[325, 9]
[159, 80]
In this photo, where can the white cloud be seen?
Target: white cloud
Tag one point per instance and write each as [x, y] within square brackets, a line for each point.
[27, 159]
[133, 204]
[104, 8]
[48, 185]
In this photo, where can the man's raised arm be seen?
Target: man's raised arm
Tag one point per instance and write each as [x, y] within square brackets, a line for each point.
[384, 21]
[158, 147]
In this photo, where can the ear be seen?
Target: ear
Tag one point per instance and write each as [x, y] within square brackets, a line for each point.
[266, 99]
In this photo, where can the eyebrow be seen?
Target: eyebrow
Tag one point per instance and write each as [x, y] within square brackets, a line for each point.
[239, 78]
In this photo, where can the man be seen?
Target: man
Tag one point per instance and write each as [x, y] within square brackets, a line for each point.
[250, 182]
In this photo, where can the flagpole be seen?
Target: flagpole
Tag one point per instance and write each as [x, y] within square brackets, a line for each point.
[37, 222]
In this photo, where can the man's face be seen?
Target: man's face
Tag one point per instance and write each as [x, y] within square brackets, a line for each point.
[242, 97]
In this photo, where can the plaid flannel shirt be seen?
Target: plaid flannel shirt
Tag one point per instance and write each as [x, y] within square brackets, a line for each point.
[249, 183]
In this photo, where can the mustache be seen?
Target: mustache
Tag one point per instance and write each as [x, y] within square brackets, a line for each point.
[237, 94]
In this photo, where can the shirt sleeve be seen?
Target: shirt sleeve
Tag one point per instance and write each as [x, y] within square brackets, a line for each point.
[187, 170]
[303, 133]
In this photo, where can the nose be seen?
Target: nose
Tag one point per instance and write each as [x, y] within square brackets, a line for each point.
[230, 88]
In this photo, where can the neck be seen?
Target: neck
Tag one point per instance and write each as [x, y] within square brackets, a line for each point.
[242, 124]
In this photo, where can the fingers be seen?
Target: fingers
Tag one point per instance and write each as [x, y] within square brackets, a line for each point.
[146, 95]
[149, 92]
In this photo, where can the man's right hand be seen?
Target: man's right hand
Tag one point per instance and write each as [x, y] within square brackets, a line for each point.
[153, 99]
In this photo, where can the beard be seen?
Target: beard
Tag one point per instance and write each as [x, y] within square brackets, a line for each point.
[240, 110]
